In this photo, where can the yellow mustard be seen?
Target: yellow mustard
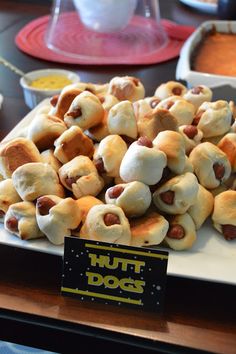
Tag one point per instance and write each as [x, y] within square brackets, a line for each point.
[51, 82]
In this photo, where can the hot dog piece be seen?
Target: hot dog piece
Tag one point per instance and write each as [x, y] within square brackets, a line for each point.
[229, 232]
[176, 232]
[115, 191]
[12, 224]
[144, 141]
[111, 219]
[191, 131]
[168, 197]
[44, 204]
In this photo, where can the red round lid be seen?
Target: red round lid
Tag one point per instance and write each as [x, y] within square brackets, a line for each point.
[31, 40]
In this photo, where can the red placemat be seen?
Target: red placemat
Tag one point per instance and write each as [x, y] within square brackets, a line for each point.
[31, 40]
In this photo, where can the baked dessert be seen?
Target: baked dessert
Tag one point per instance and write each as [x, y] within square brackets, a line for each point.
[210, 164]
[34, 179]
[15, 153]
[85, 111]
[181, 234]
[20, 220]
[121, 120]
[80, 176]
[57, 217]
[8, 196]
[71, 143]
[133, 198]
[126, 88]
[148, 230]
[143, 162]
[177, 194]
[109, 154]
[224, 214]
[106, 223]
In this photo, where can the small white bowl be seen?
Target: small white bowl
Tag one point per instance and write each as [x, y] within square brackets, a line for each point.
[194, 78]
[33, 95]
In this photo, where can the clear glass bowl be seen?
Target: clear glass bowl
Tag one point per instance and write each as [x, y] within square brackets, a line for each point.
[100, 29]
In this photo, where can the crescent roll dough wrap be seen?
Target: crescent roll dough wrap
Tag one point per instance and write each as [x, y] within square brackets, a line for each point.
[210, 164]
[71, 143]
[197, 95]
[224, 214]
[156, 121]
[202, 208]
[121, 120]
[214, 118]
[177, 194]
[35, 179]
[49, 158]
[172, 144]
[61, 103]
[8, 196]
[57, 217]
[85, 111]
[126, 88]
[181, 234]
[228, 145]
[181, 109]
[80, 176]
[133, 198]
[170, 88]
[106, 223]
[15, 153]
[192, 137]
[110, 153]
[44, 129]
[148, 230]
[20, 220]
[143, 162]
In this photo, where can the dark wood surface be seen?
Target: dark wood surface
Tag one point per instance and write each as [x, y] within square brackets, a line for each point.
[198, 316]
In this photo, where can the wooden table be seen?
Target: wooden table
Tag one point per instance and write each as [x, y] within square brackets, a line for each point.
[198, 315]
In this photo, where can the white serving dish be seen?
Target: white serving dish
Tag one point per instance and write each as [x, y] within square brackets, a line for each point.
[33, 96]
[210, 259]
[207, 7]
[194, 78]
